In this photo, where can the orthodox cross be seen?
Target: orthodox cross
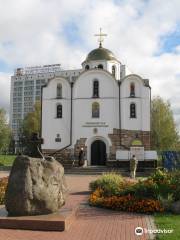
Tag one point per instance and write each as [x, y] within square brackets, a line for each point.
[101, 39]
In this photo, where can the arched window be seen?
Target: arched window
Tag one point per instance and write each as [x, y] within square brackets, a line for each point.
[114, 70]
[59, 91]
[87, 67]
[59, 111]
[100, 66]
[132, 110]
[96, 89]
[132, 90]
[95, 110]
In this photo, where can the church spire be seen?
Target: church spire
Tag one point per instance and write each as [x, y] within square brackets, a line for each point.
[100, 39]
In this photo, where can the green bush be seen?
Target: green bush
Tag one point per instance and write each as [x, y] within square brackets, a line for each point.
[163, 186]
[159, 176]
[141, 190]
[167, 201]
[157, 186]
[110, 183]
[175, 184]
[7, 160]
[168, 184]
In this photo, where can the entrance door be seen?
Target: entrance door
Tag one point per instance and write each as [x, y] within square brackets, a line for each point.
[98, 153]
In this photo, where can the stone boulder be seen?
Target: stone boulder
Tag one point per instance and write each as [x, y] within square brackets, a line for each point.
[175, 207]
[35, 187]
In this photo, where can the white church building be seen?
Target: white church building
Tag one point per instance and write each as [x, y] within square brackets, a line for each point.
[100, 108]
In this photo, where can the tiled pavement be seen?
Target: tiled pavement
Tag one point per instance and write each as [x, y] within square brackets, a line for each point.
[4, 173]
[91, 223]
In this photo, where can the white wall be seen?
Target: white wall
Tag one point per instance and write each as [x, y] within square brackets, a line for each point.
[142, 101]
[82, 105]
[51, 126]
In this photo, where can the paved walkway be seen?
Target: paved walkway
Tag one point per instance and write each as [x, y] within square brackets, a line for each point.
[4, 174]
[91, 223]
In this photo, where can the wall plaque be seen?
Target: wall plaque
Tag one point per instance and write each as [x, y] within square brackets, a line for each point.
[95, 124]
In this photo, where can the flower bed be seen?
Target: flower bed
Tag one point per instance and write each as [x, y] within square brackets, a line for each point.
[157, 193]
[125, 203]
[3, 185]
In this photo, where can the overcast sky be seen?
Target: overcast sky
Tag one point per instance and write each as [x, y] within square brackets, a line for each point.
[143, 34]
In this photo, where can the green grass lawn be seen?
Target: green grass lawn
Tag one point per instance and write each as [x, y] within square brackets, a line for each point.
[7, 160]
[168, 221]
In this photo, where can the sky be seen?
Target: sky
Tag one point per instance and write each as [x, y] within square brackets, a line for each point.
[143, 34]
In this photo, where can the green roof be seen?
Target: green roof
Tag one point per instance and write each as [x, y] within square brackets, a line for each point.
[100, 54]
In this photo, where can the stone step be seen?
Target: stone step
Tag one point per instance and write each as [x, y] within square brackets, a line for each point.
[93, 170]
[89, 173]
[101, 170]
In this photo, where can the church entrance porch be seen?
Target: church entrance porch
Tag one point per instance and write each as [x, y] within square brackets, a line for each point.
[98, 153]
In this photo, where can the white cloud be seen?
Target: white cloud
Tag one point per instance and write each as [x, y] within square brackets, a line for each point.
[32, 32]
[4, 90]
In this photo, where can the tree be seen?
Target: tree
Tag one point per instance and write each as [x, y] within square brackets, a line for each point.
[31, 130]
[32, 121]
[5, 131]
[164, 134]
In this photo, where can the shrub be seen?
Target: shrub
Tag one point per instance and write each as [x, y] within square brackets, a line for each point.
[167, 184]
[166, 202]
[175, 184]
[110, 183]
[161, 185]
[159, 176]
[3, 185]
[142, 189]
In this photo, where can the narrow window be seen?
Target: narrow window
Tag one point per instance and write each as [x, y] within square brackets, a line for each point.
[87, 67]
[59, 91]
[132, 110]
[95, 89]
[132, 90]
[114, 70]
[59, 111]
[95, 110]
[100, 66]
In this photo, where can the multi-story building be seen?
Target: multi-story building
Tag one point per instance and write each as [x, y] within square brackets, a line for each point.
[26, 90]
